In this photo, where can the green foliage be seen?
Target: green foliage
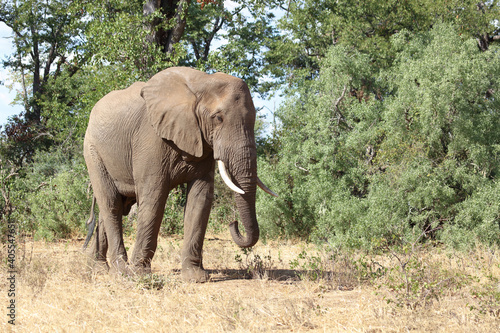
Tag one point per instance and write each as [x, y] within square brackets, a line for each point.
[248, 35]
[223, 208]
[117, 41]
[367, 154]
[477, 219]
[59, 206]
[45, 35]
[52, 198]
[310, 27]
[173, 217]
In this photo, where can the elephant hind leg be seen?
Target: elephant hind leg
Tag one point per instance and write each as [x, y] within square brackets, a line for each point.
[111, 207]
[110, 236]
[99, 248]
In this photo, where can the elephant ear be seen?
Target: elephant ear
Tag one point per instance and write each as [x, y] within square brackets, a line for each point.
[171, 111]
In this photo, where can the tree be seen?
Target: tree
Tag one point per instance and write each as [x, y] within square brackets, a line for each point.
[168, 24]
[310, 27]
[248, 33]
[417, 151]
[47, 37]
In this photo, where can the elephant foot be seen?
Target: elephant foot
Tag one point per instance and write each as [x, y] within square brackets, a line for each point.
[140, 266]
[119, 266]
[98, 266]
[140, 269]
[96, 263]
[195, 274]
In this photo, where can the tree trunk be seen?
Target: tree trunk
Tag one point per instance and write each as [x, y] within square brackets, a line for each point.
[173, 18]
[33, 113]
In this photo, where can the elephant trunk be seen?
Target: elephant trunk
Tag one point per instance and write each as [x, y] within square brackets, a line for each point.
[246, 208]
[243, 168]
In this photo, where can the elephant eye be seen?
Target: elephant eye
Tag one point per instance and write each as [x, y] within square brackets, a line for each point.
[218, 117]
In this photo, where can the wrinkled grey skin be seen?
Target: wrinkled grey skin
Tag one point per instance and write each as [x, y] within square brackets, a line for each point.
[143, 141]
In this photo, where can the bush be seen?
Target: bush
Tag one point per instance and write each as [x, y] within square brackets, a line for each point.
[59, 207]
[51, 197]
[368, 154]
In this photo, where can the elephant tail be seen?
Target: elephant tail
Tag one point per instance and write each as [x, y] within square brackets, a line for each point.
[90, 224]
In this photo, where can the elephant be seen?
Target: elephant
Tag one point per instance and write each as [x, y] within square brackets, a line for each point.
[145, 140]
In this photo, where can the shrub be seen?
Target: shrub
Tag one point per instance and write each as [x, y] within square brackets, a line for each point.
[52, 197]
[59, 207]
[368, 154]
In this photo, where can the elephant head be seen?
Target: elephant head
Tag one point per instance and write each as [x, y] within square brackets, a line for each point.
[200, 112]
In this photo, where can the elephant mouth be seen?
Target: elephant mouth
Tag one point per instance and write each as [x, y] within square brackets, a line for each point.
[229, 183]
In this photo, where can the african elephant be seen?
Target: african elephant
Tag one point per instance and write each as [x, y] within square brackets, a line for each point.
[145, 140]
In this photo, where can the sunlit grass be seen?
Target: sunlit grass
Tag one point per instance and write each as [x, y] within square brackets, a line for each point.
[281, 285]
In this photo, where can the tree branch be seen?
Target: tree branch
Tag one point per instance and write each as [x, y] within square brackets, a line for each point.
[340, 117]
[219, 22]
[177, 31]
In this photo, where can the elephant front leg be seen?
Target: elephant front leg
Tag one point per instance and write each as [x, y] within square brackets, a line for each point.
[196, 212]
[149, 217]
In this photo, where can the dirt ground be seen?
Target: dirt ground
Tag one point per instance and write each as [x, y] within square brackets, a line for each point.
[278, 286]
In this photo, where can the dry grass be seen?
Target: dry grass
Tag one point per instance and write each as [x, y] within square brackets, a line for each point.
[326, 291]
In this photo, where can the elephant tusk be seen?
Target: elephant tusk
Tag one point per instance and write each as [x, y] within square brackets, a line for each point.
[265, 188]
[227, 179]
